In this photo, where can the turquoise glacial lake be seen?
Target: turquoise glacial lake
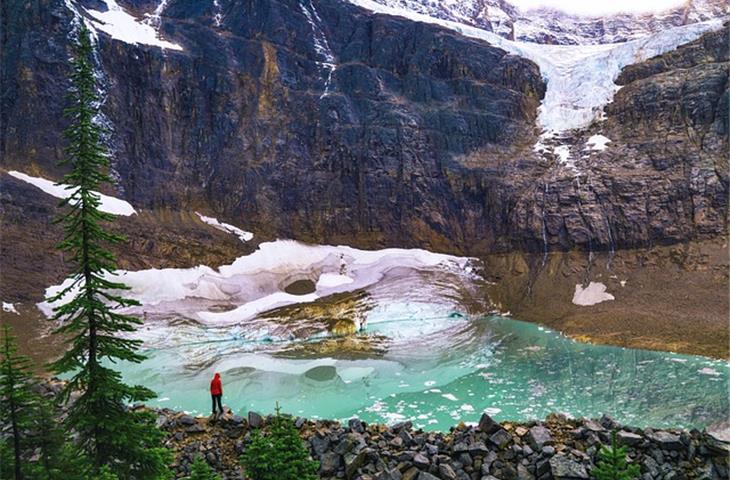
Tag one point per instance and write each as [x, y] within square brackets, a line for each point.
[419, 362]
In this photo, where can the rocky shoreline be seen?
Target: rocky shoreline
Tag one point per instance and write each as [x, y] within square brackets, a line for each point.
[557, 448]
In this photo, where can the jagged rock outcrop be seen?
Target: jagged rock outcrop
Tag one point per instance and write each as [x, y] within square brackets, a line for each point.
[323, 122]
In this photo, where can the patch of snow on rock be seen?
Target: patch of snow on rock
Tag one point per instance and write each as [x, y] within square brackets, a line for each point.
[593, 294]
[597, 142]
[120, 25]
[108, 204]
[9, 308]
[243, 235]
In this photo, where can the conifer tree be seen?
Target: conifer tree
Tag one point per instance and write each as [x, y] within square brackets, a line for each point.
[59, 459]
[202, 471]
[17, 399]
[110, 434]
[280, 454]
[613, 465]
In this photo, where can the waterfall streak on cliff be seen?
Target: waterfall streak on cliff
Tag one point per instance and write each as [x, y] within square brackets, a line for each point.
[321, 46]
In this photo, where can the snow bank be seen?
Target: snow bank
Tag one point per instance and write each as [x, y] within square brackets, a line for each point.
[597, 143]
[9, 308]
[120, 25]
[112, 205]
[243, 235]
[579, 77]
[255, 283]
[594, 293]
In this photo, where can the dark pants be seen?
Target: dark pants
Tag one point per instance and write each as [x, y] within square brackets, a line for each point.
[217, 400]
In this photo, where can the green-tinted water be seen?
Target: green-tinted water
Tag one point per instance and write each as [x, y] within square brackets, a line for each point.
[436, 368]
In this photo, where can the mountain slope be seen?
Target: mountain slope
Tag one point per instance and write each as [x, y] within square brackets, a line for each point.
[322, 121]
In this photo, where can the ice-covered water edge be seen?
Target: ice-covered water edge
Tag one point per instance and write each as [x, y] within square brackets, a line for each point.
[432, 404]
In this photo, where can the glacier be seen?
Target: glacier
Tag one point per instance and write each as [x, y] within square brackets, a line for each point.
[579, 78]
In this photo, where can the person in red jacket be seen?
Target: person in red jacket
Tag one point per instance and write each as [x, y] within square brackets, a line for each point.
[216, 393]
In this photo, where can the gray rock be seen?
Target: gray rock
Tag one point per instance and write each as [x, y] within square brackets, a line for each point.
[628, 438]
[187, 420]
[299, 422]
[539, 436]
[255, 420]
[666, 440]
[500, 438]
[426, 476]
[356, 425]
[195, 429]
[353, 461]
[330, 462]
[446, 472]
[523, 473]
[421, 461]
[478, 448]
[563, 467]
[487, 424]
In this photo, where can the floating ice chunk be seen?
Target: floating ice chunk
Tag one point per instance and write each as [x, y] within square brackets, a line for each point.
[331, 280]
[9, 308]
[708, 371]
[492, 410]
[112, 205]
[120, 25]
[243, 235]
[597, 143]
[449, 396]
[351, 374]
[467, 408]
[594, 293]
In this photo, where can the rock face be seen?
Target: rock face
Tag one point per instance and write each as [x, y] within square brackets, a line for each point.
[322, 122]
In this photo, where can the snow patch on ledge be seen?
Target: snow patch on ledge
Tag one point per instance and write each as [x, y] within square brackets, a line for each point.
[243, 235]
[580, 78]
[593, 294]
[597, 143]
[108, 204]
[9, 308]
[120, 25]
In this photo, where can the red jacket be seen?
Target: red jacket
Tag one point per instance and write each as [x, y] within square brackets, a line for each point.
[216, 387]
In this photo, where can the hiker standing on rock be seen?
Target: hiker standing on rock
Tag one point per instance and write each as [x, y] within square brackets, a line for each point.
[216, 393]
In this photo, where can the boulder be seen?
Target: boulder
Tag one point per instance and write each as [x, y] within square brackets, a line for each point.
[538, 437]
[628, 438]
[255, 420]
[666, 440]
[187, 420]
[500, 438]
[446, 472]
[330, 462]
[353, 461]
[564, 467]
[487, 424]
